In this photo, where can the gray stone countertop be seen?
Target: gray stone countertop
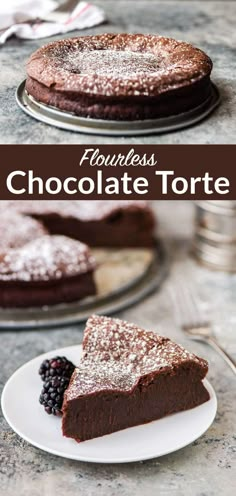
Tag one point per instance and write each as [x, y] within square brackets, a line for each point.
[205, 468]
[208, 24]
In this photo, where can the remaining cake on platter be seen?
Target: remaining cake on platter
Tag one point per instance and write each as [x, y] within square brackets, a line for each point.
[120, 76]
[121, 223]
[46, 271]
[44, 247]
[126, 377]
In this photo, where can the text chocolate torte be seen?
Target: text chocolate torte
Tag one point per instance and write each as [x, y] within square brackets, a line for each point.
[120, 76]
[126, 377]
[121, 223]
[46, 271]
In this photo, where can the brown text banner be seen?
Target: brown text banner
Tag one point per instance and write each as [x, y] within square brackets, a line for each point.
[118, 172]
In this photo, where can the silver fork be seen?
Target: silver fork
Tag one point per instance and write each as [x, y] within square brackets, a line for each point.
[192, 320]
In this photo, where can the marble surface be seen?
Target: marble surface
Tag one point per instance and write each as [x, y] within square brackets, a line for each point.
[199, 469]
[208, 24]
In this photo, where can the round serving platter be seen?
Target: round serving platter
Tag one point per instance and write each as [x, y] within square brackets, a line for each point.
[70, 122]
[123, 278]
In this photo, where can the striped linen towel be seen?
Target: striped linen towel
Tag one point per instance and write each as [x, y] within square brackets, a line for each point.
[35, 19]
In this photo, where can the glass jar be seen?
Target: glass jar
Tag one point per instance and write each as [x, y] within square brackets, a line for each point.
[215, 234]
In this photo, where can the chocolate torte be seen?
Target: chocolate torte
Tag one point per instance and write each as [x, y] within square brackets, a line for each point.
[121, 223]
[126, 377]
[46, 271]
[120, 76]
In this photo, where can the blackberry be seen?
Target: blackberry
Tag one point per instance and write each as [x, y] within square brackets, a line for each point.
[57, 366]
[52, 394]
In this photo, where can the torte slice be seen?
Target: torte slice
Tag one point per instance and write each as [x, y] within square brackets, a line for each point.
[128, 376]
[46, 271]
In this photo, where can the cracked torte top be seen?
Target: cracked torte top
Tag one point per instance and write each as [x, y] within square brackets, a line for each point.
[117, 355]
[118, 65]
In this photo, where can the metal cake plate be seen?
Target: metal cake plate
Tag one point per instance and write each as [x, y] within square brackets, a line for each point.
[112, 296]
[70, 122]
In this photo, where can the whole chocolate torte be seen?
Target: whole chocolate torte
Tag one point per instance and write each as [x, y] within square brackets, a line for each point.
[120, 76]
[128, 376]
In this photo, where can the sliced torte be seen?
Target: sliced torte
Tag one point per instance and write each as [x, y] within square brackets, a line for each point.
[106, 223]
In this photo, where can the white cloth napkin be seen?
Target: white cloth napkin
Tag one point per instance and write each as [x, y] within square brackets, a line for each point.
[17, 18]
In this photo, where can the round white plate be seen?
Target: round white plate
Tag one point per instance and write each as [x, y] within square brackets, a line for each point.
[27, 418]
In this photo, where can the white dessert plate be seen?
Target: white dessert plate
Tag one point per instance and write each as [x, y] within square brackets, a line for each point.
[27, 418]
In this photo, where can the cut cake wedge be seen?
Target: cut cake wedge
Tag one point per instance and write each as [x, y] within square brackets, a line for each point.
[126, 377]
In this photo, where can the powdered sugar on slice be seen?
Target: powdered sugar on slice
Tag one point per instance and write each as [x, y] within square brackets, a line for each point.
[118, 354]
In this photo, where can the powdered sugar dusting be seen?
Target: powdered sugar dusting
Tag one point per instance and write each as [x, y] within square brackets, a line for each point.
[46, 258]
[16, 230]
[111, 62]
[117, 354]
[118, 65]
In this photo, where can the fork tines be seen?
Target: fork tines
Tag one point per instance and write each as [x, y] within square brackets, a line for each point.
[187, 305]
